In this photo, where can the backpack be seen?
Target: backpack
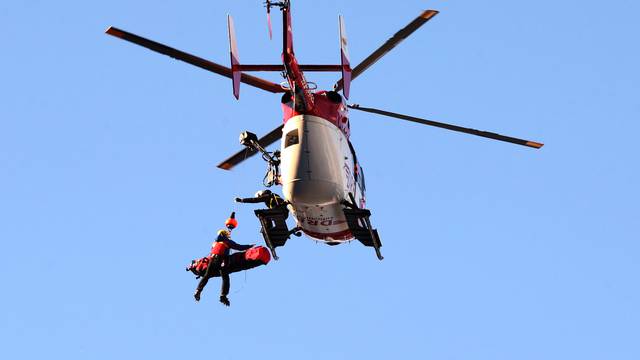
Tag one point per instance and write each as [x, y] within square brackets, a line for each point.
[199, 266]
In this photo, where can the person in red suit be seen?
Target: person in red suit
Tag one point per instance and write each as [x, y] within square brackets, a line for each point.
[219, 258]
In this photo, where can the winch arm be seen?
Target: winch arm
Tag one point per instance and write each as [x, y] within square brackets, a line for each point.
[247, 152]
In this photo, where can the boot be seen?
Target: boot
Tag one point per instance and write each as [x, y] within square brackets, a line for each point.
[196, 295]
[225, 300]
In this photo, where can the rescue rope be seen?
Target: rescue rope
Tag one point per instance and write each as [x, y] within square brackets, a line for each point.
[243, 285]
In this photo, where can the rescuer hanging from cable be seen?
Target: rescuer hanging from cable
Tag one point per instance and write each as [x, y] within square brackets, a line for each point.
[219, 260]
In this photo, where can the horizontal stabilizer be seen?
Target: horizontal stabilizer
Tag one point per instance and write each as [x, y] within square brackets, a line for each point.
[280, 68]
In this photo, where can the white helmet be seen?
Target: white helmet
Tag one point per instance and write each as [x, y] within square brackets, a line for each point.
[262, 193]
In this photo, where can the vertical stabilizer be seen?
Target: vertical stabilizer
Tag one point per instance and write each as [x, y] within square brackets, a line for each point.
[235, 58]
[344, 55]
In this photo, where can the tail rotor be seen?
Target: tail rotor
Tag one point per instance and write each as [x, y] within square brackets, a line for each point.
[268, 6]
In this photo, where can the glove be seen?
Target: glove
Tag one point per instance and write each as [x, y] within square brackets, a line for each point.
[238, 199]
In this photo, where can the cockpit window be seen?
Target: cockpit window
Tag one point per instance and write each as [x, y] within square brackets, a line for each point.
[292, 138]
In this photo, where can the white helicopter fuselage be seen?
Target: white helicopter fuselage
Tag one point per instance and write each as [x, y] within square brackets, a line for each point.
[318, 172]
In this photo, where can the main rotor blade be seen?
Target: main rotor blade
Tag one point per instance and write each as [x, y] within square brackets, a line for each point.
[193, 60]
[461, 129]
[389, 45]
[242, 155]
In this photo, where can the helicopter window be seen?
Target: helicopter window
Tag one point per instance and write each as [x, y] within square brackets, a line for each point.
[292, 138]
[353, 152]
[361, 178]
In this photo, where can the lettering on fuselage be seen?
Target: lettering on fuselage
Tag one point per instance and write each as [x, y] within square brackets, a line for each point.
[321, 221]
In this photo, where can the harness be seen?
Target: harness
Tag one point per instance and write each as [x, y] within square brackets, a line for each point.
[275, 201]
[220, 248]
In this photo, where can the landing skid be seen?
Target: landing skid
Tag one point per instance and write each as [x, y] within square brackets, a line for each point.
[274, 228]
[360, 225]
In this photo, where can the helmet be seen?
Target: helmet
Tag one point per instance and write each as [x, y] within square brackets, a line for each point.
[231, 222]
[224, 233]
[262, 193]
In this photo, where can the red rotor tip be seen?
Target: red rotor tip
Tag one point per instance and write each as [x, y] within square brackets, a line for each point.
[114, 32]
[534, 144]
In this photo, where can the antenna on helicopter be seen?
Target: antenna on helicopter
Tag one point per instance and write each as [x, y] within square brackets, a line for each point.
[268, 4]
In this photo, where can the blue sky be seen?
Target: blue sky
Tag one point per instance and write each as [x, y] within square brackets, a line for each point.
[108, 185]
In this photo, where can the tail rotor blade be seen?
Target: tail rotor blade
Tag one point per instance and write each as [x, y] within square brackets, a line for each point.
[236, 75]
[396, 39]
[269, 22]
[456, 128]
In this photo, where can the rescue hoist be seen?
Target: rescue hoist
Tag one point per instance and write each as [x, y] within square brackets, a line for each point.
[272, 158]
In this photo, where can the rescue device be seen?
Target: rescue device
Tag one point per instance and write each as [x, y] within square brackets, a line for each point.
[243, 260]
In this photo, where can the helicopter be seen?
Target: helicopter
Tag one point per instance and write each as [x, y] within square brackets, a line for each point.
[322, 181]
